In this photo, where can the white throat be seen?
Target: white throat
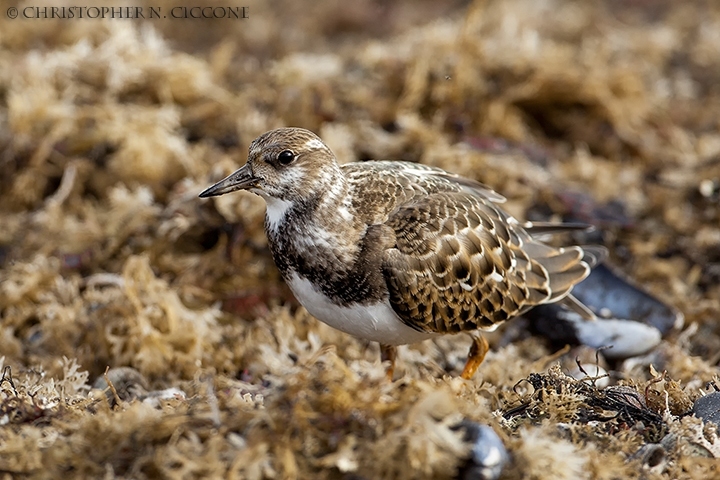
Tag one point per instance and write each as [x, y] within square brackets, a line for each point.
[276, 210]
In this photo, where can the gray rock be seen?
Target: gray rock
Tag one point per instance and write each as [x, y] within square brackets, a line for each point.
[607, 289]
[708, 408]
[653, 456]
[630, 320]
[488, 455]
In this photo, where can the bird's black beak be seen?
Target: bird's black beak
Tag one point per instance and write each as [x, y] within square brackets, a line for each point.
[241, 179]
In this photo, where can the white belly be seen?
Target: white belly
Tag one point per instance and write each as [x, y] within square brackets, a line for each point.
[377, 322]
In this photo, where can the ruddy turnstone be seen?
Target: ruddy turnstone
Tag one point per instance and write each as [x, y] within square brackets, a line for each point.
[399, 252]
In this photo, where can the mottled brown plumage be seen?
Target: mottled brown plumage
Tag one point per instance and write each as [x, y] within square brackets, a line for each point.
[369, 247]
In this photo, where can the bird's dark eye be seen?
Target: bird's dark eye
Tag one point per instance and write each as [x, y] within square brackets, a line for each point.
[285, 157]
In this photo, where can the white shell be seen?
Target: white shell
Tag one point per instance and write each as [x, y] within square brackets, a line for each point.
[627, 338]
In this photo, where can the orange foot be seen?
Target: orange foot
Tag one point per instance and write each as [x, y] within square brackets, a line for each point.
[478, 349]
[388, 353]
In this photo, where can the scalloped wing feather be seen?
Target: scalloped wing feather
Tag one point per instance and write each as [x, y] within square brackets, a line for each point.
[459, 263]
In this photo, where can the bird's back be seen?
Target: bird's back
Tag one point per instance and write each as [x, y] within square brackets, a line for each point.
[379, 187]
[453, 259]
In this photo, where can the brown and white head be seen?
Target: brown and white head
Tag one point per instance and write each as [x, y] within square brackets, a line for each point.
[285, 165]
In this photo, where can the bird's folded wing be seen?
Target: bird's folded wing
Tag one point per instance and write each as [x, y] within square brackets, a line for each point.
[457, 262]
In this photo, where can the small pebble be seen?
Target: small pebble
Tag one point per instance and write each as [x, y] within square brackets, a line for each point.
[592, 368]
[128, 383]
[592, 375]
[488, 455]
[155, 397]
[131, 385]
[708, 408]
[707, 188]
[653, 456]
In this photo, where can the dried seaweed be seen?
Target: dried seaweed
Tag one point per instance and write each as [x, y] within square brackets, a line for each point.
[109, 129]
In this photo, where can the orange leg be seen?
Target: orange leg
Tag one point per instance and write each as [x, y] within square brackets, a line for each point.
[478, 349]
[388, 353]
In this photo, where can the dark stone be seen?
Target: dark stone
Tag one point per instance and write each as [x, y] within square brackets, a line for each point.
[708, 408]
[488, 455]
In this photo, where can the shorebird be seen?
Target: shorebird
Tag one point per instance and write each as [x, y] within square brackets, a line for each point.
[399, 252]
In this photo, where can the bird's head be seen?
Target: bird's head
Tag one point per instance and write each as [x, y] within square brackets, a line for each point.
[287, 164]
